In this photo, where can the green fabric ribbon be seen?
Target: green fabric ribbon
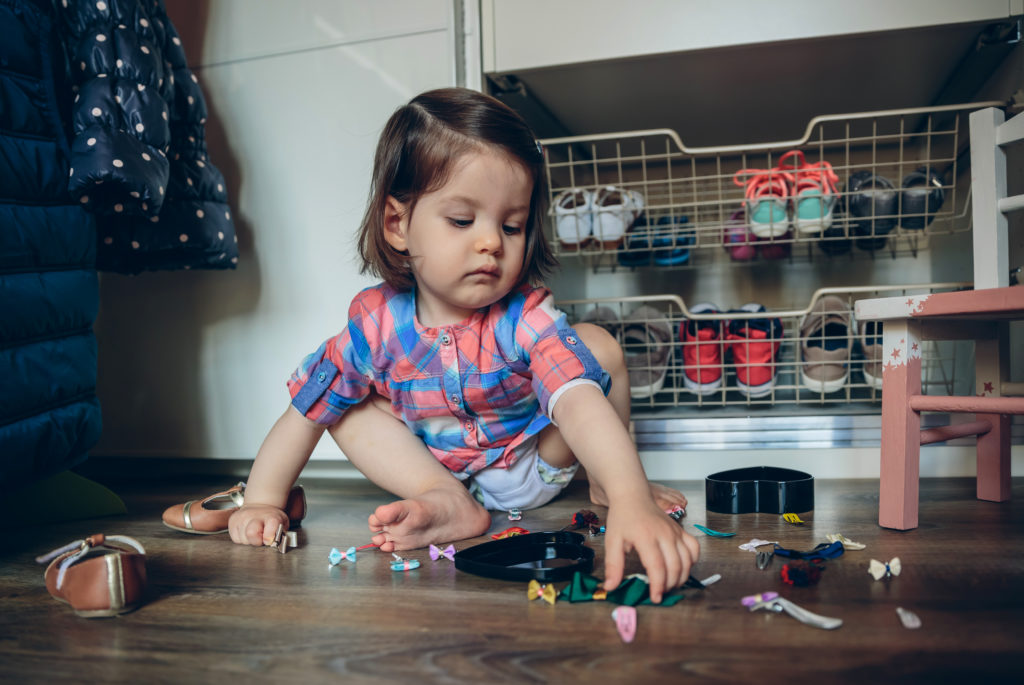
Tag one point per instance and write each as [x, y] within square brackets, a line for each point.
[632, 591]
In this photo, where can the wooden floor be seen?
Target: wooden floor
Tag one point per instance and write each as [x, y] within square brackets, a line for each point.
[222, 613]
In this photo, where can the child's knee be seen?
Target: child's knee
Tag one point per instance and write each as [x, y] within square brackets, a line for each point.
[603, 346]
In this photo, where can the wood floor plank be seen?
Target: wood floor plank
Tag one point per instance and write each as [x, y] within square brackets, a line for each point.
[220, 611]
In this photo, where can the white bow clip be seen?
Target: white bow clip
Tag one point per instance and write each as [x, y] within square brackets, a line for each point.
[878, 570]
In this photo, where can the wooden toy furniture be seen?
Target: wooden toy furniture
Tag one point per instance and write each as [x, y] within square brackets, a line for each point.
[981, 315]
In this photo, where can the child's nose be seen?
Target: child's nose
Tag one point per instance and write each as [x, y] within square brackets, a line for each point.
[489, 239]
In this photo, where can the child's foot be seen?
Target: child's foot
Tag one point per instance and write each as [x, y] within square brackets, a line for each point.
[665, 497]
[436, 516]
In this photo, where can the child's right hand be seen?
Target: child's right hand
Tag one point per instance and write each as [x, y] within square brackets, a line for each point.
[256, 524]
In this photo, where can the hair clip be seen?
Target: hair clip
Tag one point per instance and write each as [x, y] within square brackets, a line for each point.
[822, 551]
[447, 553]
[509, 532]
[847, 543]
[625, 622]
[781, 604]
[537, 591]
[540, 148]
[801, 573]
[878, 570]
[400, 564]
[676, 512]
[750, 600]
[515, 514]
[755, 543]
[711, 580]
[337, 556]
[712, 533]
[908, 618]
[792, 518]
[582, 519]
[283, 540]
[596, 530]
[764, 559]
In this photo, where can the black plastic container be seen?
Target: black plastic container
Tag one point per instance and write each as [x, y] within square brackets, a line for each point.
[545, 557]
[760, 489]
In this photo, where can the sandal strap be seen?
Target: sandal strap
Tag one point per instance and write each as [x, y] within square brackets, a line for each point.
[84, 546]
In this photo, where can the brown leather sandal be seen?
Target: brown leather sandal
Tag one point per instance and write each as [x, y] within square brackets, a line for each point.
[209, 516]
[98, 576]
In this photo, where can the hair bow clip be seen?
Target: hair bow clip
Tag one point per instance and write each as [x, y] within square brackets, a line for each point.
[676, 512]
[582, 519]
[447, 553]
[515, 514]
[847, 542]
[772, 602]
[537, 591]
[878, 570]
[337, 556]
[400, 564]
[509, 532]
[625, 622]
[712, 533]
[755, 543]
[793, 518]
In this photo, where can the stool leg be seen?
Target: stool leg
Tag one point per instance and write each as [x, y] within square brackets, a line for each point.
[991, 357]
[901, 426]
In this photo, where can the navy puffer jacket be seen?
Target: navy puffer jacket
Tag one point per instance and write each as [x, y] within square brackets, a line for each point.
[139, 151]
[49, 294]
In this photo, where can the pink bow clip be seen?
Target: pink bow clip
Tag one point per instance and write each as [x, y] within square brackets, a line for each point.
[448, 553]
[625, 622]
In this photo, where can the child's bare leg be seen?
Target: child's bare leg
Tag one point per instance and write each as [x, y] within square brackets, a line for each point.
[436, 507]
[609, 355]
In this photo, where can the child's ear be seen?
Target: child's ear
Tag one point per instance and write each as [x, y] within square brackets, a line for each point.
[396, 223]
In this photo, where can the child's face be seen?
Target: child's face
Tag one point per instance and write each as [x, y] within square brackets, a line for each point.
[467, 239]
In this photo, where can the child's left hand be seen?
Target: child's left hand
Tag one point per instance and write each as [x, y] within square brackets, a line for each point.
[666, 550]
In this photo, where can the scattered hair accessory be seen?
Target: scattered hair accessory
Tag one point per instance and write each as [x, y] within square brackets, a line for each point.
[625, 622]
[752, 600]
[537, 591]
[824, 550]
[711, 580]
[764, 559]
[509, 532]
[847, 543]
[596, 530]
[283, 540]
[676, 512]
[793, 518]
[781, 604]
[908, 618]
[540, 148]
[336, 556]
[632, 591]
[801, 573]
[515, 514]
[582, 519]
[712, 533]
[878, 570]
[400, 564]
[446, 553]
[755, 543]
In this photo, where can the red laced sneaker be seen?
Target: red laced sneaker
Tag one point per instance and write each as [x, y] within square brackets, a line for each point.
[755, 344]
[814, 191]
[702, 351]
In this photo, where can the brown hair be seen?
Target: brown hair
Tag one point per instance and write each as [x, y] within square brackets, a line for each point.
[420, 145]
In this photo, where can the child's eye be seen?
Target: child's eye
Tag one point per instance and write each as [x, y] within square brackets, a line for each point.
[512, 230]
[460, 223]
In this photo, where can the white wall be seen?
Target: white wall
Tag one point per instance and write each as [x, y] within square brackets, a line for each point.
[194, 363]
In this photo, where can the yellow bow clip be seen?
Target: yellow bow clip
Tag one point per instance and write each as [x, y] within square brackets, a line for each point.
[792, 518]
[537, 591]
[878, 570]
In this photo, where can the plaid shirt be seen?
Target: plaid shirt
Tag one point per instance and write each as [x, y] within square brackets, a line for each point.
[476, 392]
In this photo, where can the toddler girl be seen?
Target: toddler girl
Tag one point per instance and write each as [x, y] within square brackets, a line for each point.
[458, 370]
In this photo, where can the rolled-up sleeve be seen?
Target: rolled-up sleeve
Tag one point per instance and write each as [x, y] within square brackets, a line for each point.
[338, 375]
[556, 356]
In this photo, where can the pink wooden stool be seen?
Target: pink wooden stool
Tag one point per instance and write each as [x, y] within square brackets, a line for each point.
[981, 315]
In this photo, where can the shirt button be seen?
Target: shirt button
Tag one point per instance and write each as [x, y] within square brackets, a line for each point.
[571, 340]
[321, 377]
[469, 426]
[446, 339]
[454, 399]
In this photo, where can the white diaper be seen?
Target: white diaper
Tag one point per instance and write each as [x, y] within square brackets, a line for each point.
[529, 483]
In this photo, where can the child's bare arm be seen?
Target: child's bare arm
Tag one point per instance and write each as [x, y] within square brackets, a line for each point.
[592, 429]
[279, 461]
